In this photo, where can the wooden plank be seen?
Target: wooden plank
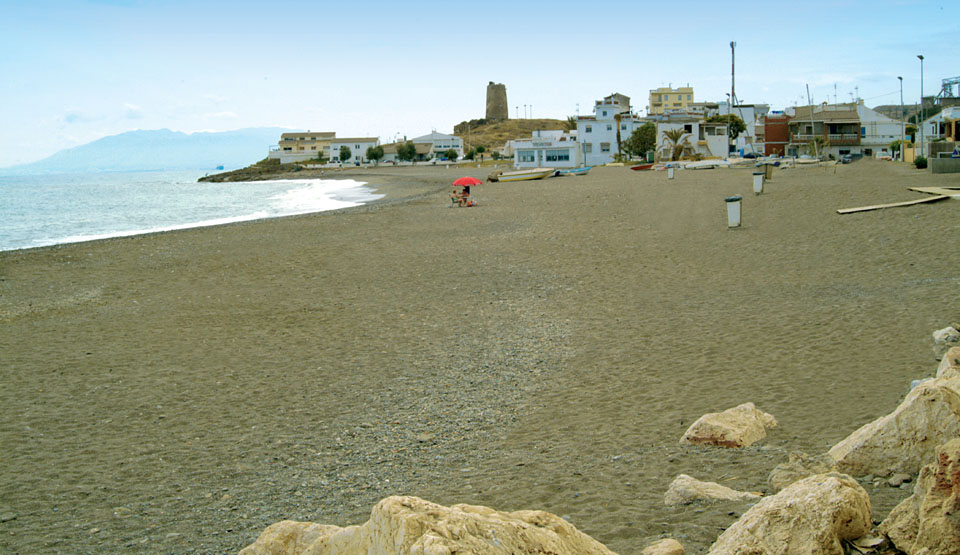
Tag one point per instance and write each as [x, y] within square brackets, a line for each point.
[936, 190]
[891, 205]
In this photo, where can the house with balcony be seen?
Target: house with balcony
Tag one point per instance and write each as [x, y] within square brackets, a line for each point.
[440, 143]
[601, 134]
[841, 129]
[302, 145]
[667, 99]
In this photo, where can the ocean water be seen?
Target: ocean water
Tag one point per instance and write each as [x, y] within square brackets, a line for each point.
[41, 210]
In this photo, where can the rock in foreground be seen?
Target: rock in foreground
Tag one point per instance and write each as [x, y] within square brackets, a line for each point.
[737, 427]
[810, 517]
[685, 490]
[668, 546]
[799, 467]
[944, 339]
[410, 525]
[907, 438]
[928, 521]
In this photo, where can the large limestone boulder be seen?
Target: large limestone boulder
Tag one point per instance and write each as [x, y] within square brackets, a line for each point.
[799, 467]
[810, 517]
[944, 339]
[905, 439]
[736, 427]
[410, 525]
[685, 490]
[668, 546]
[950, 364]
[928, 521]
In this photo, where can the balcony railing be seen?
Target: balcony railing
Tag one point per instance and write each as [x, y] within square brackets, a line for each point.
[836, 139]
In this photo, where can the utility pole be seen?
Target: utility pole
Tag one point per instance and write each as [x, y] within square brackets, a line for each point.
[816, 147]
[733, 74]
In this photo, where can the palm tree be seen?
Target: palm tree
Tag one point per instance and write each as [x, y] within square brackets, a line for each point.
[571, 123]
[678, 144]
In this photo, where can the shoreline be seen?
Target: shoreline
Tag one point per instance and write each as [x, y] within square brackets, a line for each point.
[544, 350]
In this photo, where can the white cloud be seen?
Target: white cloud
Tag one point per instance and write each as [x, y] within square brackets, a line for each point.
[230, 115]
[214, 98]
[132, 111]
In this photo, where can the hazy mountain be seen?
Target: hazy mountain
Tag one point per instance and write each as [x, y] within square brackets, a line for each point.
[160, 149]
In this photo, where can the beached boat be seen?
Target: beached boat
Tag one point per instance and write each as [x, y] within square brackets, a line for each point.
[525, 175]
[706, 165]
[640, 167]
[575, 171]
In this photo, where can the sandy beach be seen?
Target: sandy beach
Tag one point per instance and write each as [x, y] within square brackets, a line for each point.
[179, 392]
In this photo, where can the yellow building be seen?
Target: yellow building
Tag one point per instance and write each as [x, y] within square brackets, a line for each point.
[666, 99]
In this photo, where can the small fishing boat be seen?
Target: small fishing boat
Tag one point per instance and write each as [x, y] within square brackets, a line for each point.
[574, 171]
[523, 175]
[640, 167]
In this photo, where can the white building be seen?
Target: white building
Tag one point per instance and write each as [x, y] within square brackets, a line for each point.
[440, 143]
[709, 140]
[612, 118]
[547, 149]
[752, 115]
[358, 149]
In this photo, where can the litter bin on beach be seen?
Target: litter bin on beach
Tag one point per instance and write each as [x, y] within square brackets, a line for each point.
[768, 171]
[733, 210]
[669, 172]
[758, 182]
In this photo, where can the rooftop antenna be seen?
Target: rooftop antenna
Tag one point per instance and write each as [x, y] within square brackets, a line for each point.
[835, 101]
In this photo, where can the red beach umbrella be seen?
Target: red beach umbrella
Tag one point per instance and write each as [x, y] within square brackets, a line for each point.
[466, 182]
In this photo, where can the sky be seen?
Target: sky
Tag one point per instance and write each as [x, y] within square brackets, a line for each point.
[75, 71]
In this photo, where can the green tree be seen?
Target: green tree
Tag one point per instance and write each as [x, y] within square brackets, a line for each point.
[450, 154]
[495, 155]
[643, 139]
[571, 123]
[471, 154]
[407, 151]
[480, 150]
[345, 153]
[375, 153]
[735, 124]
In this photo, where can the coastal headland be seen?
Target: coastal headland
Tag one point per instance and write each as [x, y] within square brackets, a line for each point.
[181, 391]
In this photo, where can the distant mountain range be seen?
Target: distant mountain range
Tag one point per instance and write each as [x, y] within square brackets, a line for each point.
[160, 149]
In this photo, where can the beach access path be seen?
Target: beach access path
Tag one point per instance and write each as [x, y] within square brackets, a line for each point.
[179, 392]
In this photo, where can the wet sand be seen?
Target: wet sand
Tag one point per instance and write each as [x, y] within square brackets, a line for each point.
[179, 392]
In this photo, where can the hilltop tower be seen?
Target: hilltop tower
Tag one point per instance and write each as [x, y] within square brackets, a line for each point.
[497, 102]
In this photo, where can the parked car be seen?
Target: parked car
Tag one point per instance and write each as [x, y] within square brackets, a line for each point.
[846, 159]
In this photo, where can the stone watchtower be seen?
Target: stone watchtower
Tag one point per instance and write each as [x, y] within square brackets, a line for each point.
[497, 102]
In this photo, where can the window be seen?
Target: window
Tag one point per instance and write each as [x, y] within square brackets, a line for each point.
[863, 131]
[604, 147]
[609, 127]
[557, 155]
[287, 148]
[357, 146]
[587, 148]
[313, 148]
[526, 155]
[666, 97]
[604, 113]
[688, 128]
[623, 127]
[589, 129]
[688, 97]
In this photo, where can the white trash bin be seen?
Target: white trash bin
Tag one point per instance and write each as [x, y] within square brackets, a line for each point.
[670, 172]
[733, 210]
[758, 182]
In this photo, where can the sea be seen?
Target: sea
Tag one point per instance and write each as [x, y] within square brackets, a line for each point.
[43, 210]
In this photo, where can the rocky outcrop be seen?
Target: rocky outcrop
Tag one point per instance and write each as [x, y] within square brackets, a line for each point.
[736, 427]
[945, 339]
[928, 521]
[905, 439]
[410, 525]
[799, 467]
[810, 517]
[950, 364]
[685, 490]
[664, 547]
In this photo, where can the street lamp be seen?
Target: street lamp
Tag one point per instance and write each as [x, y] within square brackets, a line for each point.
[921, 103]
[903, 127]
